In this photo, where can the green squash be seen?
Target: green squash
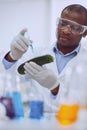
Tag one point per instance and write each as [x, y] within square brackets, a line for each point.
[41, 60]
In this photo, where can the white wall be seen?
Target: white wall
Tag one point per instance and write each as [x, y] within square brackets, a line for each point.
[39, 16]
[15, 15]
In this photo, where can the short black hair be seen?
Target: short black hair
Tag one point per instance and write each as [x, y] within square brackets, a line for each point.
[78, 9]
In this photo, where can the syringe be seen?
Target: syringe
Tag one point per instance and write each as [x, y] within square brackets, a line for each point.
[31, 46]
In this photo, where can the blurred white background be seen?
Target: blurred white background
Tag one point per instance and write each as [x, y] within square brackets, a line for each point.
[39, 16]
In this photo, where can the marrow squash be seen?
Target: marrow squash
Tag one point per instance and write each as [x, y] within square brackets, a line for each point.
[41, 60]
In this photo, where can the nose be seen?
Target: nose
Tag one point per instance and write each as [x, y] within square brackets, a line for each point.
[67, 29]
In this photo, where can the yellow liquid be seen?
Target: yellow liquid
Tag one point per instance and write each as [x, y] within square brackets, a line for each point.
[67, 114]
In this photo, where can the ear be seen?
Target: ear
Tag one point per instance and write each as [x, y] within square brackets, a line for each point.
[84, 34]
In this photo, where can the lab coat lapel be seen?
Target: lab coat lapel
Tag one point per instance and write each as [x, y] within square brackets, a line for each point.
[52, 65]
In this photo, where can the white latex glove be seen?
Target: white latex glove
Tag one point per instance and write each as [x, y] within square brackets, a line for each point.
[19, 45]
[42, 75]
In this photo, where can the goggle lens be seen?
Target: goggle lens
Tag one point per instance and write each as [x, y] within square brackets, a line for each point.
[74, 27]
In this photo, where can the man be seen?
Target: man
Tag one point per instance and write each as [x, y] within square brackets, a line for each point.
[50, 80]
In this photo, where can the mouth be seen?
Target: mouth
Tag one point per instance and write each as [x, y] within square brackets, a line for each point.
[64, 38]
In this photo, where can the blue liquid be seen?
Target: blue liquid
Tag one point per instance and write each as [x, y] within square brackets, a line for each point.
[36, 109]
[32, 48]
[18, 105]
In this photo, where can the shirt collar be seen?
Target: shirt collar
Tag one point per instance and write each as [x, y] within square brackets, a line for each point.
[76, 50]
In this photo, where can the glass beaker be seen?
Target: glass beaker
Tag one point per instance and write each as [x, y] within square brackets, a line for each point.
[69, 106]
[67, 114]
[76, 97]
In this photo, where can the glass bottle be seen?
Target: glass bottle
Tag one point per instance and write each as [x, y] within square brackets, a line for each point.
[12, 91]
[75, 98]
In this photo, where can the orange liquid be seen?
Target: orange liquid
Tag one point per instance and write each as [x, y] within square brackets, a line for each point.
[67, 114]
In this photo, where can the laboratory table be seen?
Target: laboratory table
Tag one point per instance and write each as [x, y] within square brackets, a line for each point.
[48, 122]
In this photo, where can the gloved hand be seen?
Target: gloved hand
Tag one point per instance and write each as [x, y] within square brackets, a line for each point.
[19, 45]
[42, 75]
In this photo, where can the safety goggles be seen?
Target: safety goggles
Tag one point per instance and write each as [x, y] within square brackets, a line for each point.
[73, 26]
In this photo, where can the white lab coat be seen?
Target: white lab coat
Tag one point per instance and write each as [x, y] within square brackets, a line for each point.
[39, 92]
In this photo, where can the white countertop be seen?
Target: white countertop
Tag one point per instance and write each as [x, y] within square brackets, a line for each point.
[49, 122]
